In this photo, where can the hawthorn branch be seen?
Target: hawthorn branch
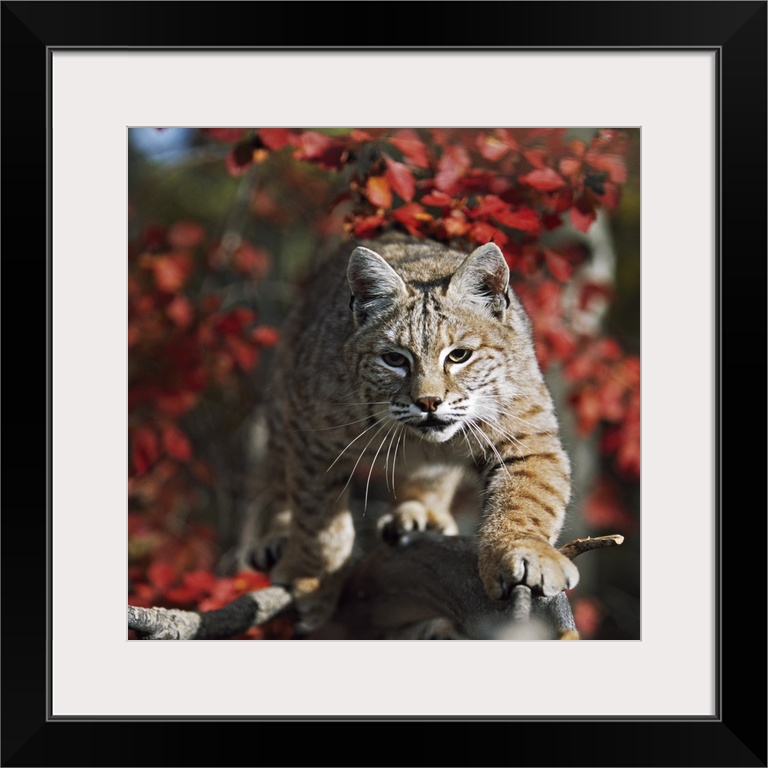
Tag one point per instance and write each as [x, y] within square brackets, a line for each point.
[423, 578]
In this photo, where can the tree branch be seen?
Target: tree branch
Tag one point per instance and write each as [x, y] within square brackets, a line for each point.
[426, 585]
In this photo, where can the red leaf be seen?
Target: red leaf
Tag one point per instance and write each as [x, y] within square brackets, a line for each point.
[543, 179]
[161, 575]
[233, 322]
[562, 343]
[453, 165]
[558, 266]
[225, 134]
[495, 145]
[412, 147]
[400, 179]
[483, 232]
[174, 404]
[242, 352]
[200, 581]
[171, 271]
[437, 198]
[603, 508]
[145, 449]
[185, 234]
[582, 219]
[591, 292]
[536, 157]
[455, 224]
[251, 261]
[489, 205]
[247, 581]
[524, 219]
[180, 311]
[311, 145]
[265, 336]
[368, 226]
[378, 192]
[587, 613]
[413, 217]
[358, 135]
[275, 138]
[570, 166]
[607, 161]
[176, 443]
[586, 403]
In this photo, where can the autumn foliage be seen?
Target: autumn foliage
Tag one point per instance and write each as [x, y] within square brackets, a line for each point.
[190, 348]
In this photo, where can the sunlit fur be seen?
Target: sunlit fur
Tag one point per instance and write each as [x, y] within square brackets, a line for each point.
[365, 378]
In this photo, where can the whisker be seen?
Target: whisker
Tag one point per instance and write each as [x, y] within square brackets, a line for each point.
[394, 459]
[466, 440]
[351, 402]
[344, 450]
[488, 440]
[386, 458]
[375, 456]
[362, 453]
[504, 400]
[509, 436]
[347, 424]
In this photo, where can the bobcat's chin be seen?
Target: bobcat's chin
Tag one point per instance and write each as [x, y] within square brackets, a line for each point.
[437, 430]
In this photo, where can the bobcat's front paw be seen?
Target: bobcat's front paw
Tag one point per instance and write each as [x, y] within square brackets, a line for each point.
[268, 548]
[314, 570]
[529, 561]
[314, 599]
[414, 516]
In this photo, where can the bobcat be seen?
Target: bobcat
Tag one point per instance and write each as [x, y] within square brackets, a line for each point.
[419, 357]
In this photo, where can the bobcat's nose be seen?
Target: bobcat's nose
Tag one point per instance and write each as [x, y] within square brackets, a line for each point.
[428, 404]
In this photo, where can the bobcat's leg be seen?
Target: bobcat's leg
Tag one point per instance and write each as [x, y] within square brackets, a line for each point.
[274, 526]
[525, 501]
[317, 551]
[425, 497]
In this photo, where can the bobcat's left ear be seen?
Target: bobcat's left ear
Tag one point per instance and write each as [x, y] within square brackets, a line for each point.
[483, 279]
[373, 283]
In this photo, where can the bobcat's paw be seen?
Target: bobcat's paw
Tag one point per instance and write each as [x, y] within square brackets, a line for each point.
[529, 561]
[268, 548]
[314, 599]
[414, 516]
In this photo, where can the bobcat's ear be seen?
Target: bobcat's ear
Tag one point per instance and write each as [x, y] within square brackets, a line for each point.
[373, 283]
[483, 280]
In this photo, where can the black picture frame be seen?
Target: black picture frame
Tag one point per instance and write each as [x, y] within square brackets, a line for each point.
[736, 736]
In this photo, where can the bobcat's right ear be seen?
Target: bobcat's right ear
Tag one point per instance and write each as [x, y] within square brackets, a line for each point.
[373, 283]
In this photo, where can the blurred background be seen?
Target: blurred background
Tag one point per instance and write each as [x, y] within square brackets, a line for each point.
[223, 225]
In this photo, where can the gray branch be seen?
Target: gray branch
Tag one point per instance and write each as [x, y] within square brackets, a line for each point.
[425, 586]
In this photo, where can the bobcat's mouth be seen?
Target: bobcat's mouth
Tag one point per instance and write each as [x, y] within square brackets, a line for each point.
[433, 423]
[436, 430]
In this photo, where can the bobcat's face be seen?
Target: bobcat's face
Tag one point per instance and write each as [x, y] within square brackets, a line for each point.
[434, 372]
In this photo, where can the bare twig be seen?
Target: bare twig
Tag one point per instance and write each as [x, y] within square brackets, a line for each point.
[577, 546]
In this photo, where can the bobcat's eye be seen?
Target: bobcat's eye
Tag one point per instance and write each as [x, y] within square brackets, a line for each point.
[459, 355]
[395, 359]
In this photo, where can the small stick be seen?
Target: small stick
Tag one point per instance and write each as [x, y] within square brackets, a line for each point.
[577, 546]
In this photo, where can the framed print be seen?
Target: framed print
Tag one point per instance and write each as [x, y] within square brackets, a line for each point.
[686, 81]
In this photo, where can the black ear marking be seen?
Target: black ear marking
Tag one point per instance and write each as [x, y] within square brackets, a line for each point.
[352, 301]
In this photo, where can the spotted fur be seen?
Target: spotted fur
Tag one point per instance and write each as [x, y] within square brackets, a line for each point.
[416, 359]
